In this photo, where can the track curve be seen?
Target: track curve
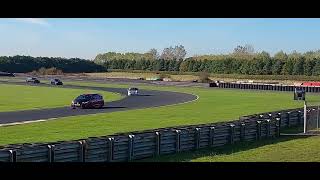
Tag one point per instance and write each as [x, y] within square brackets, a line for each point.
[146, 99]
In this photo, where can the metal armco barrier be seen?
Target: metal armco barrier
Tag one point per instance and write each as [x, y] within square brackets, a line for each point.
[269, 87]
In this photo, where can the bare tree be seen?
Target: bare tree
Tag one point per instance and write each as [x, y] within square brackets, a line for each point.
[249, 49]
[167, 53]
[180, 52]
[154, 53]
[246, 49]
[176, 53]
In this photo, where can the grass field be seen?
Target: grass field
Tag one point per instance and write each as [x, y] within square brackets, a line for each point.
[17, 97]
[284, 149]
[214, 105]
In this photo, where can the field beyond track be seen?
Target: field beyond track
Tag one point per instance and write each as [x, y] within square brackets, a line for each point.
[17, 97]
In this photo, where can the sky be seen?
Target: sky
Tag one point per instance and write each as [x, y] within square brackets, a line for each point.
[85, 38]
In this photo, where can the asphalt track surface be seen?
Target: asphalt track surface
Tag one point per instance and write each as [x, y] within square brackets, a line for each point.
[146, 99]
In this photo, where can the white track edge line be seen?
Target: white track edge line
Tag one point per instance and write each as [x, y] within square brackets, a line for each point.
[26, 122]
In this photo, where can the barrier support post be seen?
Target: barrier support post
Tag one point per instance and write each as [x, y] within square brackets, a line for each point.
[13, 156]
[232, 127]
[197, 138]
[158, 143]
[110, 141]
[278, 126]
[177, 140]
[258, 137]
[211, 136]
[131, 147]
[242, 131]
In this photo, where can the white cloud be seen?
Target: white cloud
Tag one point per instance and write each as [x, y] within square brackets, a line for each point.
[34, 21]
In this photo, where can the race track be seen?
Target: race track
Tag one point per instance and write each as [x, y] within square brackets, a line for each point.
[146, 99]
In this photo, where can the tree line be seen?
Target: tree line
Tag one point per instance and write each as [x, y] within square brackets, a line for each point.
[243, 60]
[257, 63]
[24, 64]
[171, 53]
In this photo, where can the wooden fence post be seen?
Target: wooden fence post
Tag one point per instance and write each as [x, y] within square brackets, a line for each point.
[197, 138]
[110, 150]
[231, 140]
[211, 136]
[177, 140]
[131, 147]
[158, 143]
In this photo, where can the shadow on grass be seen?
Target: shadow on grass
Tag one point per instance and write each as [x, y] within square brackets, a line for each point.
[225, 150]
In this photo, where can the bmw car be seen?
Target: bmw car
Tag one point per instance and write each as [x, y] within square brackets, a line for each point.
[88, 101]
[56, 82]
[32, 80]
[133, 91]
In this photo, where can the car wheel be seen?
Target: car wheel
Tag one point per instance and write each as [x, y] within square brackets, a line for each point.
[83, 106]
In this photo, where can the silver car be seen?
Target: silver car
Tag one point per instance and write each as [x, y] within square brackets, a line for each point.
[32, 80]
[133, 91]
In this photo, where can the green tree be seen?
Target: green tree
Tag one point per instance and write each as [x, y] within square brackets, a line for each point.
[184, 66]
[298, 67]
[308, 67]
[287, 67]
[316, 68]
[190, 65]
[277, 67]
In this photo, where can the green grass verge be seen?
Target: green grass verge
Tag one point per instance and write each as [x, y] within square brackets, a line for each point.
[214, 105]
[19, 97]
[284, 149]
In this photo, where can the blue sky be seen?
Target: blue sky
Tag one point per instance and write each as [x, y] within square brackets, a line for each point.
[85, 38]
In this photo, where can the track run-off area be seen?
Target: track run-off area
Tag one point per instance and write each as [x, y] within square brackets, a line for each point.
[146, 99]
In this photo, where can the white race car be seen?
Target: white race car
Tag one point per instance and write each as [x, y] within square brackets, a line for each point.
[133, 91]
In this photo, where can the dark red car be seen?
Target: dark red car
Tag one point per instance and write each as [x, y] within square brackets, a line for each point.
[88, 101]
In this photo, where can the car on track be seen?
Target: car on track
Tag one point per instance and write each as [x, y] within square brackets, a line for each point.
[88, 101]
[7, 74]
[133, 91]
[32, 80]
[56, 82]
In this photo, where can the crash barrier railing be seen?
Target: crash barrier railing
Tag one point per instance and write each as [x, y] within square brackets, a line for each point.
[151, 143]
[270, 87]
